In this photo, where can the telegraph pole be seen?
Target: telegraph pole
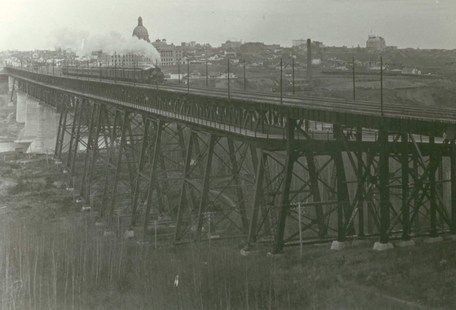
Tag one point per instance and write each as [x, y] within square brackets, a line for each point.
[178, 71]
[281, 80]
[354, 83]
[381, 86]
[245, 80]
[228, 69]
[188, 76]
[293, 74]
[207, 75]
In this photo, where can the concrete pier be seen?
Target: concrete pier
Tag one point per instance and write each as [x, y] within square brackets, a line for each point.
[3, 90]
[21, 106]
[41, 123]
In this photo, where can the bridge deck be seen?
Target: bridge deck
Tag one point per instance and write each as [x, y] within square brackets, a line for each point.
[423, 119]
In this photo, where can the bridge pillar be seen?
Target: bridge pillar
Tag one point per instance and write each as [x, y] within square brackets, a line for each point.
[284, 207]
[383, 187]
[41, 125]
[343, 197]
[433, 162]
[405, 208]
[21, 106]
[11, 90]
[4, 98]
[453, 186]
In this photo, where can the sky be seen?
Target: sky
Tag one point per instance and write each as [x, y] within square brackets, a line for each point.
[38, 24]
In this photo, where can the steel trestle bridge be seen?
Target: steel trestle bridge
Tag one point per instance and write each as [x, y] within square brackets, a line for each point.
[204, 163]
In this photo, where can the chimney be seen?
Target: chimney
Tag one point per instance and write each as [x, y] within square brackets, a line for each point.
[309, 60]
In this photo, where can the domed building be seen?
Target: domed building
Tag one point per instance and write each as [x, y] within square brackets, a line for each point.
[140, 31]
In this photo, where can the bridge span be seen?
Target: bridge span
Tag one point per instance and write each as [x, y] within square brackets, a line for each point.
[205, 163]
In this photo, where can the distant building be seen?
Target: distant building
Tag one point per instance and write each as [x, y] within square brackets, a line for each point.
[126, 60]
[231, 45]
[170, 54]
[375, 43]
[140, 31]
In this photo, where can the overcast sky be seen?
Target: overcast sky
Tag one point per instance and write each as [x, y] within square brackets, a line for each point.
[29, 24]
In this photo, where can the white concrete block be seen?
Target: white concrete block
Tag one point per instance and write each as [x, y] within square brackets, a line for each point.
[338, 245]
[379, 246]
[129, 234]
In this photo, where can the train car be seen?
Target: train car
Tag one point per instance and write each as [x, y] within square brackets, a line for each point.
[147, 75]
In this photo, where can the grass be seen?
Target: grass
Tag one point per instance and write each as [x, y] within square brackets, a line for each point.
[52, 256]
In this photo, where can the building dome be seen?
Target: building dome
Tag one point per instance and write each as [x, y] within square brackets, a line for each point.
[140, 31]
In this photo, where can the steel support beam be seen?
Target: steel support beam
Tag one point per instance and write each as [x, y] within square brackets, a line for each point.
[383, 173]
[258, 197]
[239, 193]
[405, 207]
[114, 195]
[453, 186]
[284, 207]
[142, 161]
[183, 195]
[433, 163]
[153, 174]
[205, 190]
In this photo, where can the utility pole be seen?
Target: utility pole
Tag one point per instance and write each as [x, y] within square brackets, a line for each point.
[188, 76]
[309, 59]
[354, 83]
[293, 74]
[381, 86]
[245, 79]
[115, 67]
[228, 69]
[207, 75]
[281, 80]
[179, 71]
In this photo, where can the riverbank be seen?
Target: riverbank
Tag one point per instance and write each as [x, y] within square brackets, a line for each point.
[53, 256]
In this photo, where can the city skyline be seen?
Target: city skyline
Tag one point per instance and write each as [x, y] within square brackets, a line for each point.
[404, 23]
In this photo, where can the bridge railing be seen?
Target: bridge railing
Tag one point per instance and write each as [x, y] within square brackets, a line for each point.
[253, 114]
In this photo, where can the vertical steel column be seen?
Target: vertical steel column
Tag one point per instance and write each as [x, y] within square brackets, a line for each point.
[123, 130]
[239, 193]
[360, 176]
[62, 135]
[76, 142]
[258, 197]
[94, 152]
[405, 188]
[343, 198]
[207, 177]
[142, 157]
[110, 151]
[288, 173]
[152, 174]
[383, 173]
[76, 112]
[89, 150]
[314, 189]
[59, 133]
[183, 194]
[453, 186]
[433, 163]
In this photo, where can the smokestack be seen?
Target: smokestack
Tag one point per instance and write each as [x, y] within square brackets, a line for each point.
[309, 60]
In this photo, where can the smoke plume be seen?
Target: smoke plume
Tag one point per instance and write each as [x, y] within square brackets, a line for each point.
[83, 44]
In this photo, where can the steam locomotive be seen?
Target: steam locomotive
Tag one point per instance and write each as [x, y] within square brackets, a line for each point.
[148, 75]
